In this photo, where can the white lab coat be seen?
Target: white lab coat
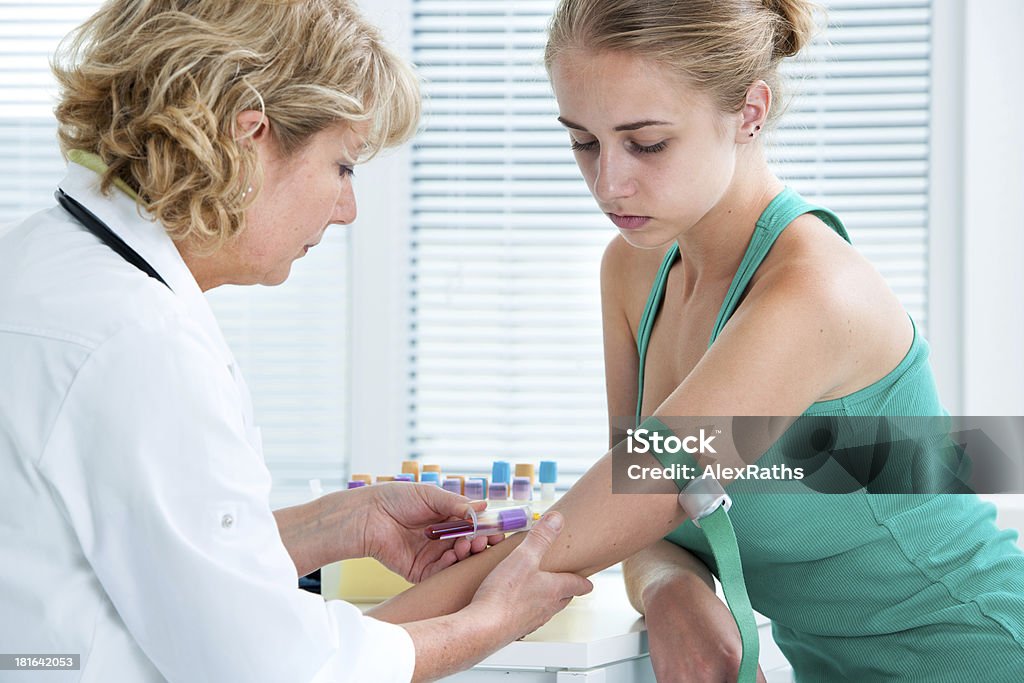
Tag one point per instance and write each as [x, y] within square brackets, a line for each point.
[135, 527]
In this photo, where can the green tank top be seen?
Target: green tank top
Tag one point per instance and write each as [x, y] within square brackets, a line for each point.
[867, 587]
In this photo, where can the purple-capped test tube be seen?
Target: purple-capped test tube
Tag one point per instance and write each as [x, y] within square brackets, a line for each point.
[485, 523]
[521, 488]
[475, 489]
[498, 490]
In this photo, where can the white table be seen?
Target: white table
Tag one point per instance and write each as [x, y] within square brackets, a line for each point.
[598, 638]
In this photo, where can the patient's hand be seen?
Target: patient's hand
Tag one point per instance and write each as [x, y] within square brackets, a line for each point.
[693, 638]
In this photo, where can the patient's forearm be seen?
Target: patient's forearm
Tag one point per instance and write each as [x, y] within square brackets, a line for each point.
[659, 565]
[600, 530]
[447, 591]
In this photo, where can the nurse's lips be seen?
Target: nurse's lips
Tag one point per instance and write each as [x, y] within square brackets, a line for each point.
[628, 222]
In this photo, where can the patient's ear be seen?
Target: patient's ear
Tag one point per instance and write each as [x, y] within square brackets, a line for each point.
[756, 106]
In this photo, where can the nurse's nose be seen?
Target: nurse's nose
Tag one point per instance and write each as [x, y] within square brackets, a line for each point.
[614, 176]
[345, 207]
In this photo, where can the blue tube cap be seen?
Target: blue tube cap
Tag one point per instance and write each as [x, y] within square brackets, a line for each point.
[548, 471]
[501, 472]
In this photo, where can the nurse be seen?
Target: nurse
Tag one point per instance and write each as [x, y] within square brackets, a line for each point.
[211, 142]
[725, 293]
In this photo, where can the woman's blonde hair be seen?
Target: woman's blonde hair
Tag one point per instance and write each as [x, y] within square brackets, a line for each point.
[154, 87]
[719, 46]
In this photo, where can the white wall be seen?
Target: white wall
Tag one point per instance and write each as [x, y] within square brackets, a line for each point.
[993, 208]
[378, 279]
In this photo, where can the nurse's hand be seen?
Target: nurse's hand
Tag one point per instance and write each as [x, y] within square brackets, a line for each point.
[514, 599]
[395, 529]
[518, 594]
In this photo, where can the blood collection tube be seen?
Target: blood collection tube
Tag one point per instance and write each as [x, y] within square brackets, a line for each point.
[411, 467]
[521, 489]
[499, 521]
[501, 472]
[498, 490]
[475, 489]
[548, 478]
[525, 469]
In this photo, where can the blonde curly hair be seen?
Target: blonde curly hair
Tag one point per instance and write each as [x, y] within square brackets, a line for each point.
[154, 87]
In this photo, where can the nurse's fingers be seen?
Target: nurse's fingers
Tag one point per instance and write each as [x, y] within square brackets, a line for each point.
[447, 559]
[480, 543]
[447, 504]
[463, 548]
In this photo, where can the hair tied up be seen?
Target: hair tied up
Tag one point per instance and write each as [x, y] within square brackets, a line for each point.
[719, 47]
[796, 25]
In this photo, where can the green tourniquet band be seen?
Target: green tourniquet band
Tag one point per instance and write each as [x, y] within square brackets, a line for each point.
[718, 528]
[721, 537]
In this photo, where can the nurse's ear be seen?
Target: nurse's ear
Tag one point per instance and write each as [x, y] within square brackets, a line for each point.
[251, 125]
[252, 128]
[754, 114]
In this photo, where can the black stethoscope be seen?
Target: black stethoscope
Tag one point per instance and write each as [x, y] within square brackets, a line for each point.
[97, 227]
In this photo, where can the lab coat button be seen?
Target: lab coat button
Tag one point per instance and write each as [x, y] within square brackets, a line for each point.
[227, 521]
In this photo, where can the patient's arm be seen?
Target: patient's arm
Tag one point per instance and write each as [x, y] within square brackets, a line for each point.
[794, 327]
[600, 530]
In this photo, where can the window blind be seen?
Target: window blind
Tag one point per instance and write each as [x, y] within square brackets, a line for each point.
[31, 162]
[290, 341]
[505, 335]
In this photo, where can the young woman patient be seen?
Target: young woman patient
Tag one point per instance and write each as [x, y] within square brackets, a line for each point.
[760, 307]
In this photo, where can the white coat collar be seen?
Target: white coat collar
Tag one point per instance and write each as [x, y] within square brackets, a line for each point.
[147, 236]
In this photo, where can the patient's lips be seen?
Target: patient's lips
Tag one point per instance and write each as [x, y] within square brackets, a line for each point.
[628, 222]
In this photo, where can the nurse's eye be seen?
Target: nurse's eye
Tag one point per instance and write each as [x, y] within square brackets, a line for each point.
[578, 146]
[344, 170]
[648, 149]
